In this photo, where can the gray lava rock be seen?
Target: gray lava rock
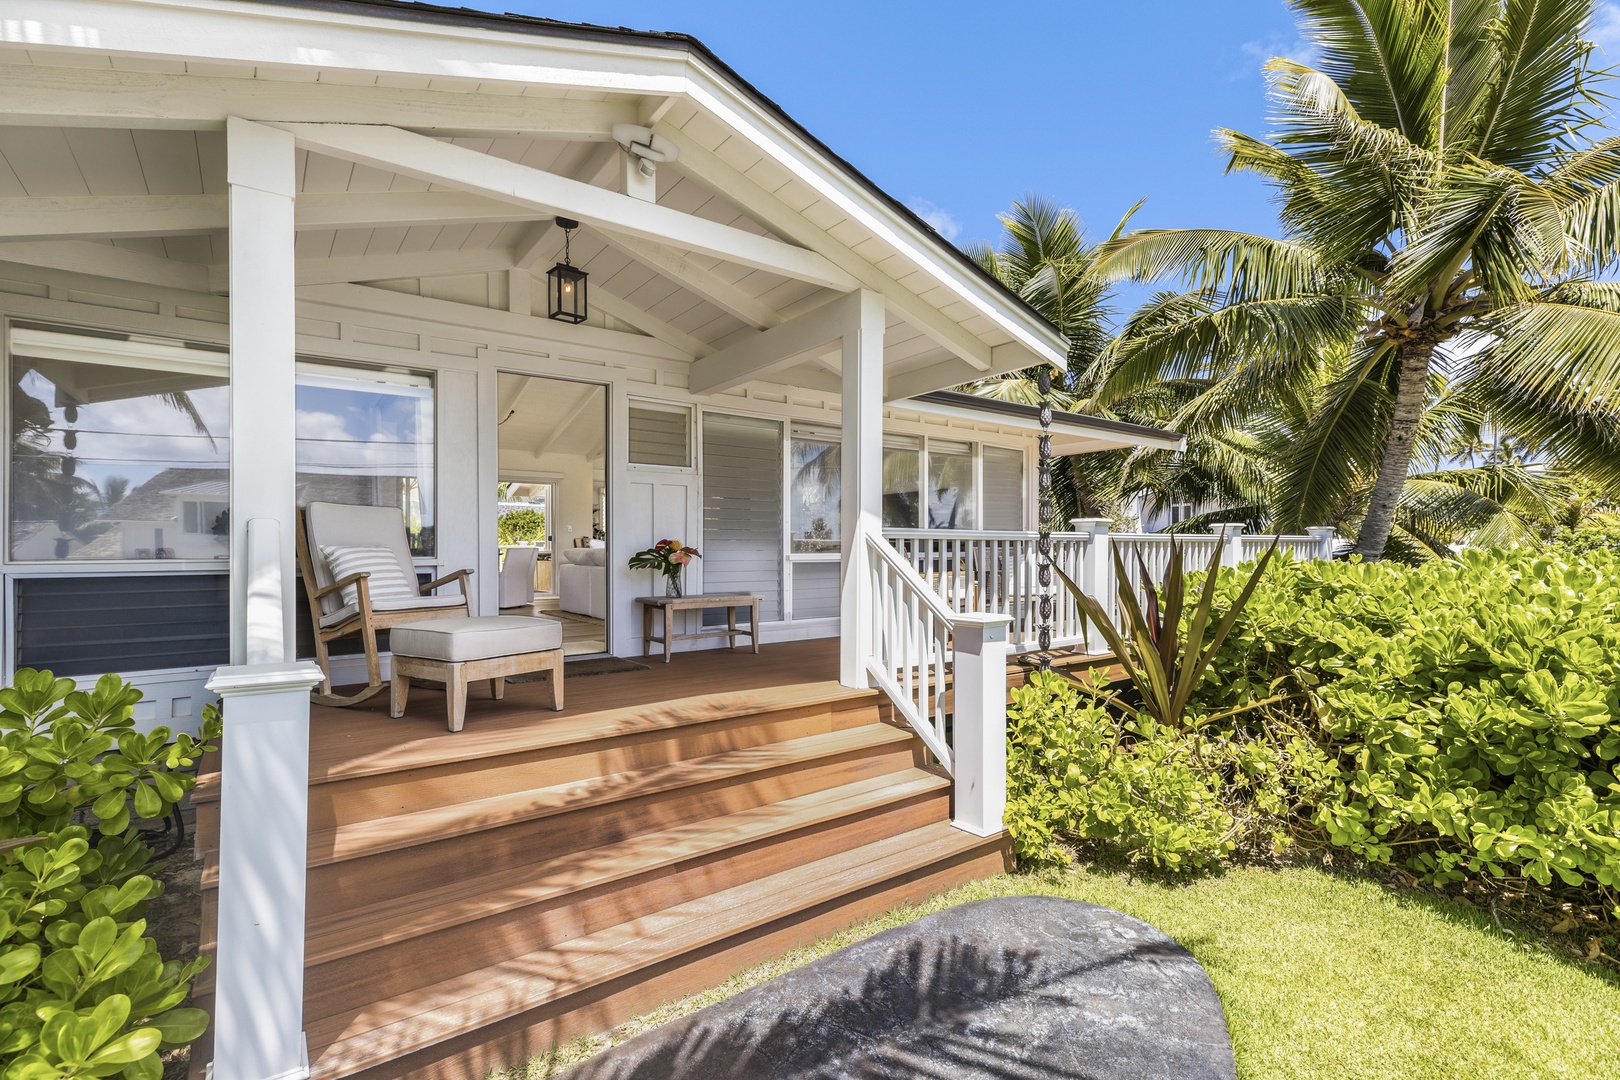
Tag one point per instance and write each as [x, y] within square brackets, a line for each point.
[1021, 988]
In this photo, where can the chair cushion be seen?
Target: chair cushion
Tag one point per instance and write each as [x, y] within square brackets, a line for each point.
[388, 580]
[340, 525]
[456, 640]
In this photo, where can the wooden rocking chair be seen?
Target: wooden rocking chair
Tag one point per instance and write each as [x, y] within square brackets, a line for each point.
[324, 527]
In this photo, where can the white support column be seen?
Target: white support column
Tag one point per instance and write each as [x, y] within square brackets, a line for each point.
[259, 170]
[1323, 535]
[979, 722]
[1097, 580]
[861, 496]
[263, 840]
[1231, 548]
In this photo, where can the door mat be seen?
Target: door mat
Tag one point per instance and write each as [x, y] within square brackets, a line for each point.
[600, 665]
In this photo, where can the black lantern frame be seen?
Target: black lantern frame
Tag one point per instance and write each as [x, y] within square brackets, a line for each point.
[566, 283]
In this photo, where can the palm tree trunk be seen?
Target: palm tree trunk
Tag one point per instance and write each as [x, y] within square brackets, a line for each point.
[1410, 391]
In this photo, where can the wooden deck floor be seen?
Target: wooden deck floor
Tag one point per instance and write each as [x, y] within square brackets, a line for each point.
[362, 740]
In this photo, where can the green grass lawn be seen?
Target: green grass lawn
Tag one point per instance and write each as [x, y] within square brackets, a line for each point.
[1322, 975]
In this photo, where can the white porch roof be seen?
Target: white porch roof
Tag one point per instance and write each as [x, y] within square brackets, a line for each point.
[112, 162]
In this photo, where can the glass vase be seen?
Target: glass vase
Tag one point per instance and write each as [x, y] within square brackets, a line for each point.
[672, 585]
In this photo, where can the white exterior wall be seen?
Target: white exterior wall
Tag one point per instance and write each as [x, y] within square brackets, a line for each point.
[465, 347]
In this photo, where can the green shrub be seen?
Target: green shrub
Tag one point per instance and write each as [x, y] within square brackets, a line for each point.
[1470, 704]
[83, 991]
[521, 526]
[1118, 781]
[1461, 718]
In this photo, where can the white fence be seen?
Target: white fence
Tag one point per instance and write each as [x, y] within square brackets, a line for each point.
[997, 572]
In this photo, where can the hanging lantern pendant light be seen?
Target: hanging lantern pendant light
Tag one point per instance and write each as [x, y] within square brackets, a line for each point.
[566, 283]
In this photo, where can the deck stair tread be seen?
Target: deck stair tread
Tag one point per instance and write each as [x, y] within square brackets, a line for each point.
[377, 835]
[357, 930]
[419, 1019]
[489, 740]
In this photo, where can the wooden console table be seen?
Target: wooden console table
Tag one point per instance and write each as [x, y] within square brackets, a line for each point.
[731, 601]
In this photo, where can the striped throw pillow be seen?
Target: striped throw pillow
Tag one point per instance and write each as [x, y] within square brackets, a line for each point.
[387, 581]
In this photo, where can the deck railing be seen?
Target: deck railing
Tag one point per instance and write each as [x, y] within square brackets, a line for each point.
[945, 672]
[996, 572]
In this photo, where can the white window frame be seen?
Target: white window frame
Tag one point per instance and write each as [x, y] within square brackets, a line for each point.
[693, 434]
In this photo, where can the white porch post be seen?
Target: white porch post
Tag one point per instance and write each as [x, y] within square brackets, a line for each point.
[1097, 578]
[861, 494]
[1323, 535]
[979, 739]
[259, 170]
[264, 792]
[1231, 549]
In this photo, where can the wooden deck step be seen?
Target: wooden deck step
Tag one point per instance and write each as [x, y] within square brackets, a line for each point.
[393, 833]
[540, 983]
[362, 929]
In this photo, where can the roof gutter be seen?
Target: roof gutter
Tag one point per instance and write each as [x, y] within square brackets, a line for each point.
[1141, 434]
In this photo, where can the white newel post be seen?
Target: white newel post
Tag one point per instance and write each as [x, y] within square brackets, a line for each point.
[1323, 535]
[979, 722]
[1097, 580]
[861, 495]
[1231, 549]
[264, 790]
[263, 841]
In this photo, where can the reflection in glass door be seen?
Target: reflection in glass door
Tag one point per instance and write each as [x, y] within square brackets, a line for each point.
[552, 500]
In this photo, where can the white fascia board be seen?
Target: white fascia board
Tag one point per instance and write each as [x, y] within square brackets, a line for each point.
[1068, 436]
[233, 32]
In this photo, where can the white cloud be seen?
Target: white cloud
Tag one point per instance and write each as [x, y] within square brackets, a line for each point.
[1257, 53]
[1605, 28]
[942, 220]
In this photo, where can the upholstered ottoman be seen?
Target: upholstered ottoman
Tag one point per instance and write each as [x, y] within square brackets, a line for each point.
[461, 651]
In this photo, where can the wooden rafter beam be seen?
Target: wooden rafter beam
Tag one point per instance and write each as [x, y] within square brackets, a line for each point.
[782, 346]
[698, 279]
[105, 260]
[649, 324]
[416, 155]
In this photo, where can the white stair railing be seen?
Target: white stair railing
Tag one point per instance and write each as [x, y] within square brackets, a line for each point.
[911, 645]
[946, 673]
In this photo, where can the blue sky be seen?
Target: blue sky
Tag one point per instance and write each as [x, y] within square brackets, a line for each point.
[958, 108]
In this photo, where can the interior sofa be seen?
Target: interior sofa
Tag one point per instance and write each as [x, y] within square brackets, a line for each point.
[582, 581]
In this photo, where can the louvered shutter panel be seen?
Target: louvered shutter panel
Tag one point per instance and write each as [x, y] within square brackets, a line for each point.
[742, 509]
[660, 436]
[1003, 488]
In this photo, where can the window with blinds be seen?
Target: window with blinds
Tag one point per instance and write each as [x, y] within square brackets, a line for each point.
[742, 508]
[1003, 488]
[660, 435]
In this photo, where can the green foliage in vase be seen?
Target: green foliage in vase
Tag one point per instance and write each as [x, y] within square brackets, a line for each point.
[83, 990]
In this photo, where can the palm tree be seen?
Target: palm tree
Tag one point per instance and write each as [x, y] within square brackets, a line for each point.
[1447, 220]
[1046, 259]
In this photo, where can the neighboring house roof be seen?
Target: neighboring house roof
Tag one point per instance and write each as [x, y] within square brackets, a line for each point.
[154, 500]
[1072, 433]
